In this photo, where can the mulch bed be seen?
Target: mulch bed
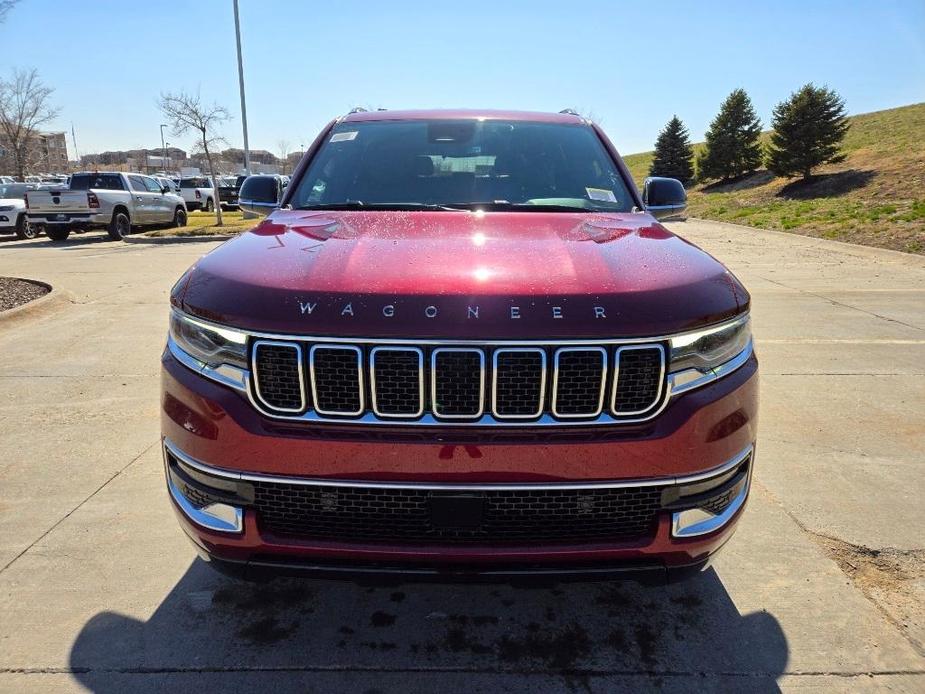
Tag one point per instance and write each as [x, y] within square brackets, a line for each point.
[15, 292]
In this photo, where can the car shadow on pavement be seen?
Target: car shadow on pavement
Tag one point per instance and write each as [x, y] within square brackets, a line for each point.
[679, 637]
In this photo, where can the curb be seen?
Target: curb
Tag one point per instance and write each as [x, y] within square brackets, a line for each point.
[36, 308]
[175, 239]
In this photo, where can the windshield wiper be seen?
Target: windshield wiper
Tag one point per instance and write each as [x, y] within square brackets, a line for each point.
[360, 205]
[505, 206]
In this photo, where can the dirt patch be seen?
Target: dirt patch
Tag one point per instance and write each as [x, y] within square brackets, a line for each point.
[16, 292]
[892, 578]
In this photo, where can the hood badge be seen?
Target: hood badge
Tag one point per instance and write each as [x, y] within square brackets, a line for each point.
[346, 310]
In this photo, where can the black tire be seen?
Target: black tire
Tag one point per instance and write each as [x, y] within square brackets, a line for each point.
[210, 206]
[57, 233]
[120, 226]
[179, 217]
[25, 230]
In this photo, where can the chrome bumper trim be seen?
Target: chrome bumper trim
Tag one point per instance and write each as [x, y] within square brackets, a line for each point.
[231, 519]
[316, 482]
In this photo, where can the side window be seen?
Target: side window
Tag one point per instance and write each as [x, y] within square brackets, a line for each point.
[138, 184]
[152, 185]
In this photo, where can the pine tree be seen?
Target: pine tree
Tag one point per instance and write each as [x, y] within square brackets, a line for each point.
[674, 156]
[808, 131]
[732, 146]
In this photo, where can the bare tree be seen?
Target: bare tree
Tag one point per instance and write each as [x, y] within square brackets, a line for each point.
[6, 6]
[186, 112]
[24, 107]
[282, 146]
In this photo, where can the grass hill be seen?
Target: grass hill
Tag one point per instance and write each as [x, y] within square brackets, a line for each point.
[876, 197]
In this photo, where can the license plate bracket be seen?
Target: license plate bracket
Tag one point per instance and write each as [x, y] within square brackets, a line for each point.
[457, 512]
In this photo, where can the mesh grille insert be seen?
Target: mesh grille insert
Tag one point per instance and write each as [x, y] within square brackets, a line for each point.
[278, 379]
[519, 379]
[394, 515]
[579, 382]
[639, 379]
[398, 377]
[337, 383]
[458, 386]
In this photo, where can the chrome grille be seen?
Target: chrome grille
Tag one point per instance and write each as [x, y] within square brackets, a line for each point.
[278, 375]
[581, 376]
[519, 382]
[458, 377]
[639, 376]
[479, 384]
[397, 381]
[337, 379]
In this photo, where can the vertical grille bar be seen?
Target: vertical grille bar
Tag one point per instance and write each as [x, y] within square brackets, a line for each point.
[396, 381]
[518, 383]
[337, 379]
[639, 375]
[457, 382]
[279, 381]
[578, 383]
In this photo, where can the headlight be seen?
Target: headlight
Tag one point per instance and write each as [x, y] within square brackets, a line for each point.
[209, 344]
[6, 208]
[705, 355]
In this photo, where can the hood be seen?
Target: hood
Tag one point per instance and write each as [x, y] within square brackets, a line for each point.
[15, 202]
[460, 275]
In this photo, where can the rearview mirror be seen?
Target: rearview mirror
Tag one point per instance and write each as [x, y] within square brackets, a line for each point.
[259, 194]
[664, 197]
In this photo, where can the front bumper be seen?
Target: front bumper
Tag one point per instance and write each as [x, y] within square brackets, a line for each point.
[218, 435]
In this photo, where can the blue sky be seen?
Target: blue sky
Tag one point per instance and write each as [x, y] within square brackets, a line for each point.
[631, 65]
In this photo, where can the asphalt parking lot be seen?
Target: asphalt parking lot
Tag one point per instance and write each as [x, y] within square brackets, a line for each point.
[822, 587]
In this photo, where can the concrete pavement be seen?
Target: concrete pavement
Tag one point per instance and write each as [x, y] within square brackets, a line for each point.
[822, 587]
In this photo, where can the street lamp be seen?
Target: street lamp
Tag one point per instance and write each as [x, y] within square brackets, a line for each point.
[237, 34]
[164, 147]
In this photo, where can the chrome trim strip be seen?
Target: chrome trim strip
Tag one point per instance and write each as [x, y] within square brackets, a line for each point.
[199, 516]
[311, 368]
[372, 380]
[698, 521]
[494, 383]
[433, 383]
[678, 382]
[555, 382]
[616, 379]
[226, 374]
[315, 482]
[298, 351]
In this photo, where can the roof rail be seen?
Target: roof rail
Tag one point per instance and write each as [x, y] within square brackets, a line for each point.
[357, 109]
[570, 112]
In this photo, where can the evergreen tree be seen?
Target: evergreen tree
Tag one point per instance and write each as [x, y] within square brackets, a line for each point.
[808, 130]
[732, 146]
[674, 156]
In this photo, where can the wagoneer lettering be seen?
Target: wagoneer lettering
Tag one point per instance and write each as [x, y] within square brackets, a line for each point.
[485, 281]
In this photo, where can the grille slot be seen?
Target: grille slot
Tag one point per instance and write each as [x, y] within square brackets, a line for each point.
[278, 377]
[458, 382]
[640, 372]
[337, 379]
[397, 381]
[395, 515]
[578, 384]
[518, 383]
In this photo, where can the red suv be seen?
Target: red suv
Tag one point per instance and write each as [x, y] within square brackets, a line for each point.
[459, 343]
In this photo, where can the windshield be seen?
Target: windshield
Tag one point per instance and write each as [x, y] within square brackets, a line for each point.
[469, 163]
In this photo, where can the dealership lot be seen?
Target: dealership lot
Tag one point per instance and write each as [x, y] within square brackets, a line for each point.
[822, 586]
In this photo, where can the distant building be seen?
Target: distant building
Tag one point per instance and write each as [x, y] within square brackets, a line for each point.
[47, 154]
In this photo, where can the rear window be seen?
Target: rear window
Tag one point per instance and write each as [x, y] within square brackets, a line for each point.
[195, 183]
[13, 190]
[97, 181]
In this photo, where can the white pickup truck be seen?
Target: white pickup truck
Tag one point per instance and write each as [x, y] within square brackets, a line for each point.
[111, 200]
[198, 193]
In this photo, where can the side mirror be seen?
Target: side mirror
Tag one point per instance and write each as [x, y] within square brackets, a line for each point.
[164, 190]
[259, 194]
[664, 197]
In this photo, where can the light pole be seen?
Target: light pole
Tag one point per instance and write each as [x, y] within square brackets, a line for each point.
[164, 147]
[237, 35]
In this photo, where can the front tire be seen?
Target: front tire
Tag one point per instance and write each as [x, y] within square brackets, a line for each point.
[179, 217]
[25, 230]
[57, 233]
[120, 226]
[210, 206]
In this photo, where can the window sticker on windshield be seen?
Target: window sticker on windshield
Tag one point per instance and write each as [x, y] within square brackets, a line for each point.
[601, 194]
[343, 137]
